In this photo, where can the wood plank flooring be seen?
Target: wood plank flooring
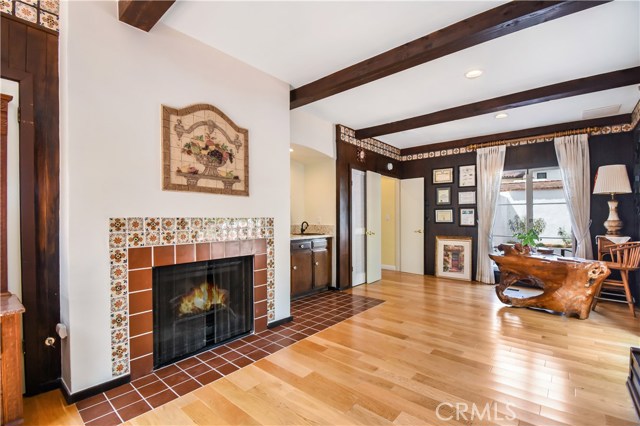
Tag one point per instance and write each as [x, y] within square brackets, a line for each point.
[433, 341]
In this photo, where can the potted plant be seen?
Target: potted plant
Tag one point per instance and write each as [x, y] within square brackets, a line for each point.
[529, 238]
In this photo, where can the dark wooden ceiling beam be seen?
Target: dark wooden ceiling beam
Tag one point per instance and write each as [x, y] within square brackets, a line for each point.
[143, 14]
[497, 22]
[580, 86]
[519, 134]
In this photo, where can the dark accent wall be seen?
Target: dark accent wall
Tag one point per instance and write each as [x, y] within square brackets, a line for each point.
[30, 57]
[345, 162]
[620, 148]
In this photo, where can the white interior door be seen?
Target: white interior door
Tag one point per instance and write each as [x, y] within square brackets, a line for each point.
[374, 228]
[358, 228]
[412, 225]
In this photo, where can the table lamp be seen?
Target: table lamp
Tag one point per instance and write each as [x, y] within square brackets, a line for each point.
[612, 179]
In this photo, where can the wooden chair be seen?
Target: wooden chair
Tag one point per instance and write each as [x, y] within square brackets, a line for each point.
[625, 258]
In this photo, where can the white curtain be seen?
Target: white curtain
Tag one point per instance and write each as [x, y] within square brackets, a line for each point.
[573, 159]
[490, 163]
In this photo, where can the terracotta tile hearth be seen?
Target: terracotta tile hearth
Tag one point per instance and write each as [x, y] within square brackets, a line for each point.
[311, 315]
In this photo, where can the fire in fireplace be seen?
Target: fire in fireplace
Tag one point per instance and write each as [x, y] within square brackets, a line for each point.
[199, 305]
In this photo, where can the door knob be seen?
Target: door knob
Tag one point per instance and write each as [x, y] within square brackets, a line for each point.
[418, 231]
[295, 267]
[317, 263]
[371, 233]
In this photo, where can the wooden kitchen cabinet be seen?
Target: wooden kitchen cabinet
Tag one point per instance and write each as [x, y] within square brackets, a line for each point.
[310, 266]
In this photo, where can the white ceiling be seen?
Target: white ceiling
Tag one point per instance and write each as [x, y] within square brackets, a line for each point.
[299, 42]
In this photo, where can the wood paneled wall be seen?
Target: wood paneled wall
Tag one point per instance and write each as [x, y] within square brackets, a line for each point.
[30, 57]
[345, 162]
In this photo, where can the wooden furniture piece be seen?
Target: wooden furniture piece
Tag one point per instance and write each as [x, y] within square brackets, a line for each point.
[604, 243]
[11, 360]
[624, 259]
[310, 266]
[569, 286]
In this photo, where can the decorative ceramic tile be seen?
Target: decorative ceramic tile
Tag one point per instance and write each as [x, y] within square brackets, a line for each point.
[118, 304]
[119, 319]
[119, 288]
[49, 21]
[270, 294]
[271, 263]
[259, 221]
[6, 7]
[232, 235]
[269, 232]
[119, 272]
[168, 224]
[136, 224]
[30, 2]
[210, 236]
[210, 224]
[26, 12]
[183, 223]
[117, 224]
[117, 240]
[135, 239]
[119, 336]
[152, 239]
[198, 236]
[270, 221]
[118, 256]
[269, 242]
[233, 223]
[119, 352]
[242, 233]
[270, 252]
[271, 274]
[271, 315]
[50, 6]
[223, 235]
[168, 238]
[119, 368]
[183, 237]
[197, 223]
[152, 224]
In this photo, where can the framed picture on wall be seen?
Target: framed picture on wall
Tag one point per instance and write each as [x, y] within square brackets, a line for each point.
[453, 257]
[467, 216]
[443, 175]
[466, 197]
[444, 215]
[443, 196]
[467, 176]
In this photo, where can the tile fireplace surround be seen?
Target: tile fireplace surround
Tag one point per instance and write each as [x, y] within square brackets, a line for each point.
[137, 244]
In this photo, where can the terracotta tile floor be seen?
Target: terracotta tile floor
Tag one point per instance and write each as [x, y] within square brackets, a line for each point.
[311, 314]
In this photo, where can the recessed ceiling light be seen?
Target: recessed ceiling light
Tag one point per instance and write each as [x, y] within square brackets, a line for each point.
[501, 115]
[473, 73]
[290, 149]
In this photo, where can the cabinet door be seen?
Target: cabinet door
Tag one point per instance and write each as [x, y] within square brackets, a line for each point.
[301, 272]
[321, 265]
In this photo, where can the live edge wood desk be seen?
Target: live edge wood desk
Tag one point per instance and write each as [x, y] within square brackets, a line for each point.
[569, 286]
[10, 360]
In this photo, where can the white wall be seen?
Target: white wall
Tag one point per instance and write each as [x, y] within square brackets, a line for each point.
[14, 268]
[320, 192]
[313, 132]
[297, 193]
[114, 79]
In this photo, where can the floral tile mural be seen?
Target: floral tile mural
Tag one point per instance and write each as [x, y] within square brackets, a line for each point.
[204, 151]
[43, 12]
[126, 233]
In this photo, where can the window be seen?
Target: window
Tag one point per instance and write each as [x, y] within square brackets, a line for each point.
[533, 199]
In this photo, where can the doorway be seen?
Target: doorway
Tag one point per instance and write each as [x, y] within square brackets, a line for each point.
[358, 228]
[390, 209]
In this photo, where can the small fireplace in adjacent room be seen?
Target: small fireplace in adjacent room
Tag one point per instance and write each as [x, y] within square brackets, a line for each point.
[200, 304]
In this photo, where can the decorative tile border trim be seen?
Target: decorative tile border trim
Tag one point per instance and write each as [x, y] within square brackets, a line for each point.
[349, 135]
[374, 145]
[133, 232]
[43, 12]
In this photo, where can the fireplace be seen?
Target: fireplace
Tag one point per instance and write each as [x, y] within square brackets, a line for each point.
[200, 304]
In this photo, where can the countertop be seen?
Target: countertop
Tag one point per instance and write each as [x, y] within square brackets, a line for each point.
[297, 237]
[10, 304]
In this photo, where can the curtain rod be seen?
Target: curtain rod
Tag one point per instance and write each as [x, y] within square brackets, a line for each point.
[587, 130]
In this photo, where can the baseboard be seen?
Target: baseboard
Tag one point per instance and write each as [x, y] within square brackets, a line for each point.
[389, 267]
[72, 398]
[280, 322]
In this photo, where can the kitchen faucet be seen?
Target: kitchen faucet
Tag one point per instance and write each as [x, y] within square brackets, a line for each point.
[304, 226]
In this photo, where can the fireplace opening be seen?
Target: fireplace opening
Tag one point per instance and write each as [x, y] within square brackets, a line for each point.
[199, 305]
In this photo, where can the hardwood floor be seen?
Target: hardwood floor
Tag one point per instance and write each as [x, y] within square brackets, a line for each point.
[433, 341]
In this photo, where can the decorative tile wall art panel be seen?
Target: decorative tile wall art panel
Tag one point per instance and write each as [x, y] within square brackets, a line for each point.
[204, 151]
[129, 271]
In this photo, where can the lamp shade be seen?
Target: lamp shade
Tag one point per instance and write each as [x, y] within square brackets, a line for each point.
[612, 179]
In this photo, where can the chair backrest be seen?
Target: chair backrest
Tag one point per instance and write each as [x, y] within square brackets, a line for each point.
[627, 255]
